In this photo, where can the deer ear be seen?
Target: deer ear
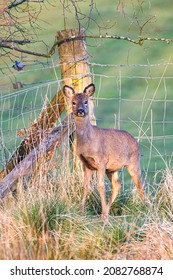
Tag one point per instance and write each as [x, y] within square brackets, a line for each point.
[68, 91]
[89, 90]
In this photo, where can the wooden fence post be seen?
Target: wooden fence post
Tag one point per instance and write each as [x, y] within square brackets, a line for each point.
[73, 59]
[75, 71]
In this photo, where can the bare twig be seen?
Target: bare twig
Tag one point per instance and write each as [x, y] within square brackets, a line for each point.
[15, 17]
[139, 41]
[23, 50]
[13, 41]
[16, 3]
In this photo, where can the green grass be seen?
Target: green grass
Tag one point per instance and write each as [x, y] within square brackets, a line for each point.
[45, 222]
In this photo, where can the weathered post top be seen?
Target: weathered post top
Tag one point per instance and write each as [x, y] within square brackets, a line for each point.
[73, 58]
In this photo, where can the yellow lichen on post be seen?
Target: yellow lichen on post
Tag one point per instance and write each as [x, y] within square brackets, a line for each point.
[73, 59]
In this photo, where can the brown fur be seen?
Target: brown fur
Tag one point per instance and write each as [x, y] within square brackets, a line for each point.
[104, 150]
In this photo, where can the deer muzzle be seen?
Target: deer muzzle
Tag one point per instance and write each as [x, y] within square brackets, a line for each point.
[80, 113]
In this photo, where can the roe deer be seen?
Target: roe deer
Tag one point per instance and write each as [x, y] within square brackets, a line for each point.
[104, 150]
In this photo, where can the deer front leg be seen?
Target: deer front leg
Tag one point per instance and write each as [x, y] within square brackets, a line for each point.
[101, 189]
[86, 184]
[116, 186]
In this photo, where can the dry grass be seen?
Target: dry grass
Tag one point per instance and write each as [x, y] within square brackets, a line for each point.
[157, 244]
[45, 223]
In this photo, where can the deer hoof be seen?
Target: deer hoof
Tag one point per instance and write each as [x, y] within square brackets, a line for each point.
[105, 218]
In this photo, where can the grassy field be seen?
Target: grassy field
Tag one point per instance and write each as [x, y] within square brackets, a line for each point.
[45, 222]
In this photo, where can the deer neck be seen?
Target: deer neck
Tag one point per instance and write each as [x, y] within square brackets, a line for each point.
[83, 128]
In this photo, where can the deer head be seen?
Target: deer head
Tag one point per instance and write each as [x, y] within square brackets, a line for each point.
[79, 100]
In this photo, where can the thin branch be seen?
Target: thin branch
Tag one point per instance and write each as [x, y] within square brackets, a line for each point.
[140, 41]
[24, 51]
[12, 41]
[17, 3]
[74, 3]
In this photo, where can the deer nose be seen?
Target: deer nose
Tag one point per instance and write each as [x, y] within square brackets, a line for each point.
[81, 112]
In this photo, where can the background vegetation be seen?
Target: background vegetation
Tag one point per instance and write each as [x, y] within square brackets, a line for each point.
[44, 222]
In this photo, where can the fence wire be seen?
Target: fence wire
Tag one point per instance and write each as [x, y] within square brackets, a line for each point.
[136, 97]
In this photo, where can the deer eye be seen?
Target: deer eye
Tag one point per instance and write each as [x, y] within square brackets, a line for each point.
[74, 103]
[86, 102]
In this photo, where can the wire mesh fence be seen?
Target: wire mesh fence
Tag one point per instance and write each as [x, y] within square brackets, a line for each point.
[136, 97]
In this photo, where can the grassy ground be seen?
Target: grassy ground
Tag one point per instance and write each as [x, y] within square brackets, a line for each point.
[45, 222]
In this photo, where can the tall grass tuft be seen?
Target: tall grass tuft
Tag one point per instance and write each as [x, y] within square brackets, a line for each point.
[44, 222]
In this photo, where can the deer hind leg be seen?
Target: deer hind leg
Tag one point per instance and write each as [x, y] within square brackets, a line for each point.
[116, 186]
[135, 173]
[86, 184]
[101, 189]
